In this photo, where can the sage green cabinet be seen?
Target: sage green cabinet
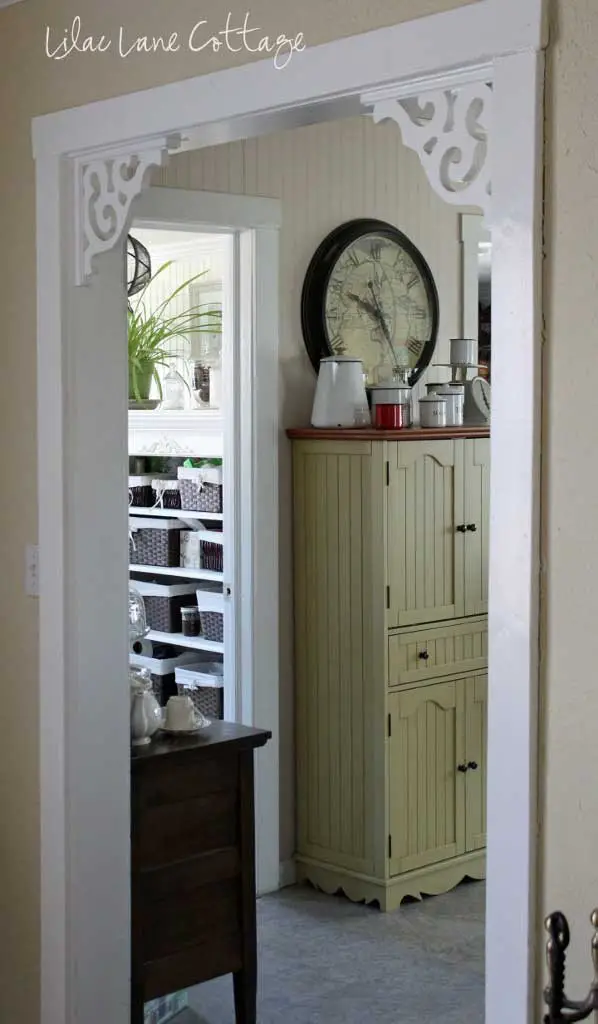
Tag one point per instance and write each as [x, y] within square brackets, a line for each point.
[390, 662]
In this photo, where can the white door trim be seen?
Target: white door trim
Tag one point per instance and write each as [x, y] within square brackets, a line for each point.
[323, 82]
[250, 470]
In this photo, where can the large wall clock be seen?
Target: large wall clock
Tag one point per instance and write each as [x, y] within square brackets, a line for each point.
[369, 293]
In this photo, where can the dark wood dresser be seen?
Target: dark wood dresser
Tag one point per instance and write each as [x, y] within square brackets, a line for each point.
[193, 865]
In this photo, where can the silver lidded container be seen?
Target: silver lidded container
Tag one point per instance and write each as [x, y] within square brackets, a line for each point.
[433, 411]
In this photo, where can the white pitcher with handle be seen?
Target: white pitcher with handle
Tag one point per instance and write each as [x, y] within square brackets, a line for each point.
[340, 399]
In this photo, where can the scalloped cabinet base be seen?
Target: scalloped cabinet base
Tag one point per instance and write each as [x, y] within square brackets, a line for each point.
[389, 895]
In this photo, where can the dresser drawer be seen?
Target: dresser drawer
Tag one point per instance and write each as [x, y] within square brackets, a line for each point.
[186, 828]
[435, 651]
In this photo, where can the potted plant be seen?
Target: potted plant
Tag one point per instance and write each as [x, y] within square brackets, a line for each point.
[149, 335]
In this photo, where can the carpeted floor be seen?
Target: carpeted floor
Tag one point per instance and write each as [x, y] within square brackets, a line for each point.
[324, 960]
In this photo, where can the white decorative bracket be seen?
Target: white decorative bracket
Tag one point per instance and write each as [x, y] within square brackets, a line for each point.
[449, 128]
[106, 184]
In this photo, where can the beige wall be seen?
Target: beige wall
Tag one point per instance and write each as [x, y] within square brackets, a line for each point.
[570, 647]
[29, 85]
[324, 175]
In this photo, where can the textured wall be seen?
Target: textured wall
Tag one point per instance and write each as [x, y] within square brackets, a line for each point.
[570, 643]
[324, 174]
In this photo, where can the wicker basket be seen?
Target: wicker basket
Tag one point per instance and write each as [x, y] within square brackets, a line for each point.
[166, 493]
[203, 683]
[163, 602]
[211, 613]
[201, 489]
[212, 626]
[154, 542]
[211, 556]
[141, 494]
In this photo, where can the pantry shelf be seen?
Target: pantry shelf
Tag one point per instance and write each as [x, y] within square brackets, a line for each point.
[175, 570]
[174, 513]
[179, 640]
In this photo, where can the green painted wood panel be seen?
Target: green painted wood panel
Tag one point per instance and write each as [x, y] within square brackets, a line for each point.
[424, 550]
[476, 732]
[434, 651]
[332, 667]
[426, 793]
[476, 456]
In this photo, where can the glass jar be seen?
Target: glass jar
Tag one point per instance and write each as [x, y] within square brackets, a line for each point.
[190, 620]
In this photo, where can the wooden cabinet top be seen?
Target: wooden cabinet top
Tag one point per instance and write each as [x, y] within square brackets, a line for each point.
[219, 735]
[371, 434]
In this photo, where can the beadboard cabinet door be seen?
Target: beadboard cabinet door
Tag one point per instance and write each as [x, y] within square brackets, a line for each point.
[425, 495]
[476, 717]
[476, 513]
[426, 795]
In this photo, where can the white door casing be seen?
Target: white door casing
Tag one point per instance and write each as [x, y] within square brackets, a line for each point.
[250, 467]
[84, 812]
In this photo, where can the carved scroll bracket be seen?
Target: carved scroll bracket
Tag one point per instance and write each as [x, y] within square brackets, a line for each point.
[106, 183]
[449, 129]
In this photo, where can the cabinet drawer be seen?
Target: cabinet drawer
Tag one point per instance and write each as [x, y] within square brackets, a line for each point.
[419, 654]
[188, 828]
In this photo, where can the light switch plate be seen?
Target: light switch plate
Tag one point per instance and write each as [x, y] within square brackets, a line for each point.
[32, 570]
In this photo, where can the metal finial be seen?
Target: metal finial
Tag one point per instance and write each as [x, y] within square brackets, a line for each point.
[594, 920]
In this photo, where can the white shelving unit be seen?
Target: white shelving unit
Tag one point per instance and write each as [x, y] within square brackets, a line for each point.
[176, 513]
[179, 435]
[178, 640]
[187, 574]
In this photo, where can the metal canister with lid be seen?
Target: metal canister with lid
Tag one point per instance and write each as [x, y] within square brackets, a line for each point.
[432, 411]
[391, 406]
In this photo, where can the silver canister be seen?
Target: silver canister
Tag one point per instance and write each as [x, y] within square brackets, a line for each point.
[433, 411]
[455, 402]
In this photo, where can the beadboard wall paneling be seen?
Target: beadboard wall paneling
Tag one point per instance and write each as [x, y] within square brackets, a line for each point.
[324, 174]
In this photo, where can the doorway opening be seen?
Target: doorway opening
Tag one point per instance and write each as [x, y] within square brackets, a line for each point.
[77, 329]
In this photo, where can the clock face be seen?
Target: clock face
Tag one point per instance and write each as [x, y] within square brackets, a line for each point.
[370, 294]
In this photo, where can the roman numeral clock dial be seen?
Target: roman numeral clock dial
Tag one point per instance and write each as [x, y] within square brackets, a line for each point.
[369, 293]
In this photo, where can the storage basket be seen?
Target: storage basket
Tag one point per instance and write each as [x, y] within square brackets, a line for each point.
[201, 489]
[162, 670]
[166, 493]
[154, 542]
[203, 682]
[141, 494]
[211, 615]
[211, 556]
[163, 602]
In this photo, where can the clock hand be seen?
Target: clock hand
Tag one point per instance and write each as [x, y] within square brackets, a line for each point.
[363, 304]
[383, 323]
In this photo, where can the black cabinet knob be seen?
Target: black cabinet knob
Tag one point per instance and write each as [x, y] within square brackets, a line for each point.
[473, 765]
[423, 655]
[461, 767]
[461, 528]
[472, 527]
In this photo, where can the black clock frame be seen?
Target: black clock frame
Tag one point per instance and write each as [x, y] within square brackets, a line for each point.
[317, 277]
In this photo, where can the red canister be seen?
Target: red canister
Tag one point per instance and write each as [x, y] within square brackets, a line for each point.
[391, 406]
[392, 417]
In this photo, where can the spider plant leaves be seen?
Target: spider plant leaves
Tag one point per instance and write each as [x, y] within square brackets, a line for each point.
[150, 334]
